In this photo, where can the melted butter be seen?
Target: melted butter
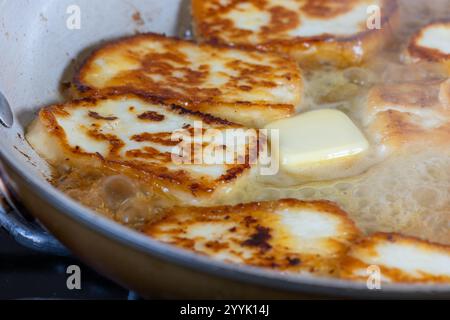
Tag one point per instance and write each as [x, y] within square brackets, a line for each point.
[317, 145]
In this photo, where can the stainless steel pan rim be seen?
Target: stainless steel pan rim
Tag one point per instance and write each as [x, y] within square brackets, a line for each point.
[301, 283]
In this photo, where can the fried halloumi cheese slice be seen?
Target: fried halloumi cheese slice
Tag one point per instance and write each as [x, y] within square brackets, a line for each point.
[167, 147]
[285, 235]
[431, 44]
[243, 86]
[314, 32]
[398, 259]
[397, 115]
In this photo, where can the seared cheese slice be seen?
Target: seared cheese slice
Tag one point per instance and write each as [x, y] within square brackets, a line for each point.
[398, 259]
[318, 141]
[243, 86]
[431, 43]
[134, 136]
[344, 32]
[284, 235]
[400, 115]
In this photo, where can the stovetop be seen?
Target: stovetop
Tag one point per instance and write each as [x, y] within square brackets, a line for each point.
[25, 274]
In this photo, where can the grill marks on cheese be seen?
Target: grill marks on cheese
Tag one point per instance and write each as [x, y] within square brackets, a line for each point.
[312, 31]
[400, 259]
[244, 86]
[133, 136]
[431, 43]
[397, 115]
[284, 235]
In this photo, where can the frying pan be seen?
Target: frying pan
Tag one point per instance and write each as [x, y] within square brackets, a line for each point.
[37, 50]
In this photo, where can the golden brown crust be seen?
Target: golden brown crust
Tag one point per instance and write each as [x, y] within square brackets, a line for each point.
[255, 234]
[417, 52]
[211, 25]
[327, 9]
[154, 173]
[399, 115]
[365, 251]
[169, 73]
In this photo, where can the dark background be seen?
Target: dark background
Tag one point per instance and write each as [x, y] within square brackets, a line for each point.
[25, 274]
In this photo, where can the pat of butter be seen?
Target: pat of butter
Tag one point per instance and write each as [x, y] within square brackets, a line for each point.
[317, 137]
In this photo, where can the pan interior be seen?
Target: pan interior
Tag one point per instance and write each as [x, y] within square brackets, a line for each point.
[36, 76]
